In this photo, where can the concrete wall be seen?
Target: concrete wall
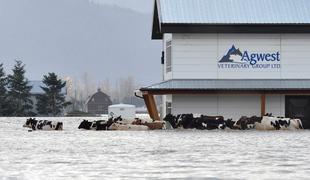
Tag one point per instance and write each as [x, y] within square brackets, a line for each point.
[229, 106]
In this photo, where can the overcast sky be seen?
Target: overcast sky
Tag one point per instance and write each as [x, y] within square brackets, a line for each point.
[108, 39]
[144, 6]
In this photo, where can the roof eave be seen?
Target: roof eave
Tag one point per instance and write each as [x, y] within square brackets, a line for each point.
[156, 29]
[227, 91]
[234, 28]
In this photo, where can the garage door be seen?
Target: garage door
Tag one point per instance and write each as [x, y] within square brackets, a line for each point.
[298, 107]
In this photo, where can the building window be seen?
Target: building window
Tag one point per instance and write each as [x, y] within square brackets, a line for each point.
[168, 108]
[168, 56]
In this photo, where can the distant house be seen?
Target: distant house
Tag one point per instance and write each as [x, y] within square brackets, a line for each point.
[98, 103]
[37, 90]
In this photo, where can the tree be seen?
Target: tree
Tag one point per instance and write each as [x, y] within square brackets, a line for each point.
[53, 100]
[20, 103]
[3, 92]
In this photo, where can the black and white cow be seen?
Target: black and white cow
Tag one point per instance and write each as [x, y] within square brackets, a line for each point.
[43, 124]
[278, 123]
[210, 122]
[99, 125]
[95, 125]
[189, 121]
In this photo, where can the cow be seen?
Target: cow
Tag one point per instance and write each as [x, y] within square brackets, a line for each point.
[247, 122]
[99, 124]
[43, 124]
[155, 125]
[186, 121]
[95, 125]
[190, 121]
[173, 120]
[210, 122]
[230, 124]
[127, 127]
[278, 123]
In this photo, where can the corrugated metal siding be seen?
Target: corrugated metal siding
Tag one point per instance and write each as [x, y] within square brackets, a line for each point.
[235, 11]
[233, 84]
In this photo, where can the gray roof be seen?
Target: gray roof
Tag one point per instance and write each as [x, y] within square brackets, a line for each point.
[36, 87]
[234, 11]
[232, 84]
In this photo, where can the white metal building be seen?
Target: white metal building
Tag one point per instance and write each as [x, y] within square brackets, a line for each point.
[233, 57]
[126, 111]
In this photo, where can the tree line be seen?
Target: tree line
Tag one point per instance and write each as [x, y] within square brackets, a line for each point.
[16, 98]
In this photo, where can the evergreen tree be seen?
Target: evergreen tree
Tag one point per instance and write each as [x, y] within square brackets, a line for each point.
[20, 103]
[3, 92]
[52, 101]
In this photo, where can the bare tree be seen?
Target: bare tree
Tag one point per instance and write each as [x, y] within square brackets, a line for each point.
[120, 91]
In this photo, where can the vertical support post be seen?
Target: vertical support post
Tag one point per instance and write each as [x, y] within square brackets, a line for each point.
[151, 105]
[263, 104]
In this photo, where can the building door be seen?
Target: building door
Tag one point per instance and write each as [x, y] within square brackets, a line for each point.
[298, 107]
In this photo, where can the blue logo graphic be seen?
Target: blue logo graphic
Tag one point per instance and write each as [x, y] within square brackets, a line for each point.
[232, 51]
[234, 55]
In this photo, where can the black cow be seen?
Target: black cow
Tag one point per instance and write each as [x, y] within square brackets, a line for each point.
[211, 122]
[230, 124]
[43, 124]
[173, 120]
[95, 125]
[186, 121]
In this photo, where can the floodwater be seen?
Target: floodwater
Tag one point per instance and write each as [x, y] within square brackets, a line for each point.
[169, 154]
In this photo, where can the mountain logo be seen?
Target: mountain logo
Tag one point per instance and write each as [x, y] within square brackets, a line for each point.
[230, 57]
[235, 56]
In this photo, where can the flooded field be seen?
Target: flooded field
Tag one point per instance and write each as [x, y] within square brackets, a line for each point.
[190, 154]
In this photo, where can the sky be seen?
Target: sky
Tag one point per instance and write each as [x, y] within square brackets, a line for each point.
[100, 38]
[144, 6]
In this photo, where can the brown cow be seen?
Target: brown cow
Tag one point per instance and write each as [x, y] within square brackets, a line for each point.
[155, 125]
[151, 125]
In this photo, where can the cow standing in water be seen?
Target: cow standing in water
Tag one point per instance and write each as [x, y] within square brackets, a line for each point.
[188, 121]
[43, 124]
[247, 122]
[278, 123]
[96, 125]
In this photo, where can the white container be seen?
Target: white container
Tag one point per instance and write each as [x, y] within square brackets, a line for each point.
[126, 111]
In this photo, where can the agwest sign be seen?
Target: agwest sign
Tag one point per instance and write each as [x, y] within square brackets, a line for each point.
[236, 59]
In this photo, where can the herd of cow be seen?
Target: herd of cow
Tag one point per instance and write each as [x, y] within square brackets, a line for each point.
[182, 121]
[111, 124]
[267, 122]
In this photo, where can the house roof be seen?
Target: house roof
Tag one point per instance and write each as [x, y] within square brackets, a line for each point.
[230, 85]
[212, 16]
[99, 93]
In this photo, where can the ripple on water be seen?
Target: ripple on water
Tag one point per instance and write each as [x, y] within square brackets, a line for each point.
[175, 154]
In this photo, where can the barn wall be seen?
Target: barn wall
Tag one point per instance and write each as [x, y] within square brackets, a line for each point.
[229, 106]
